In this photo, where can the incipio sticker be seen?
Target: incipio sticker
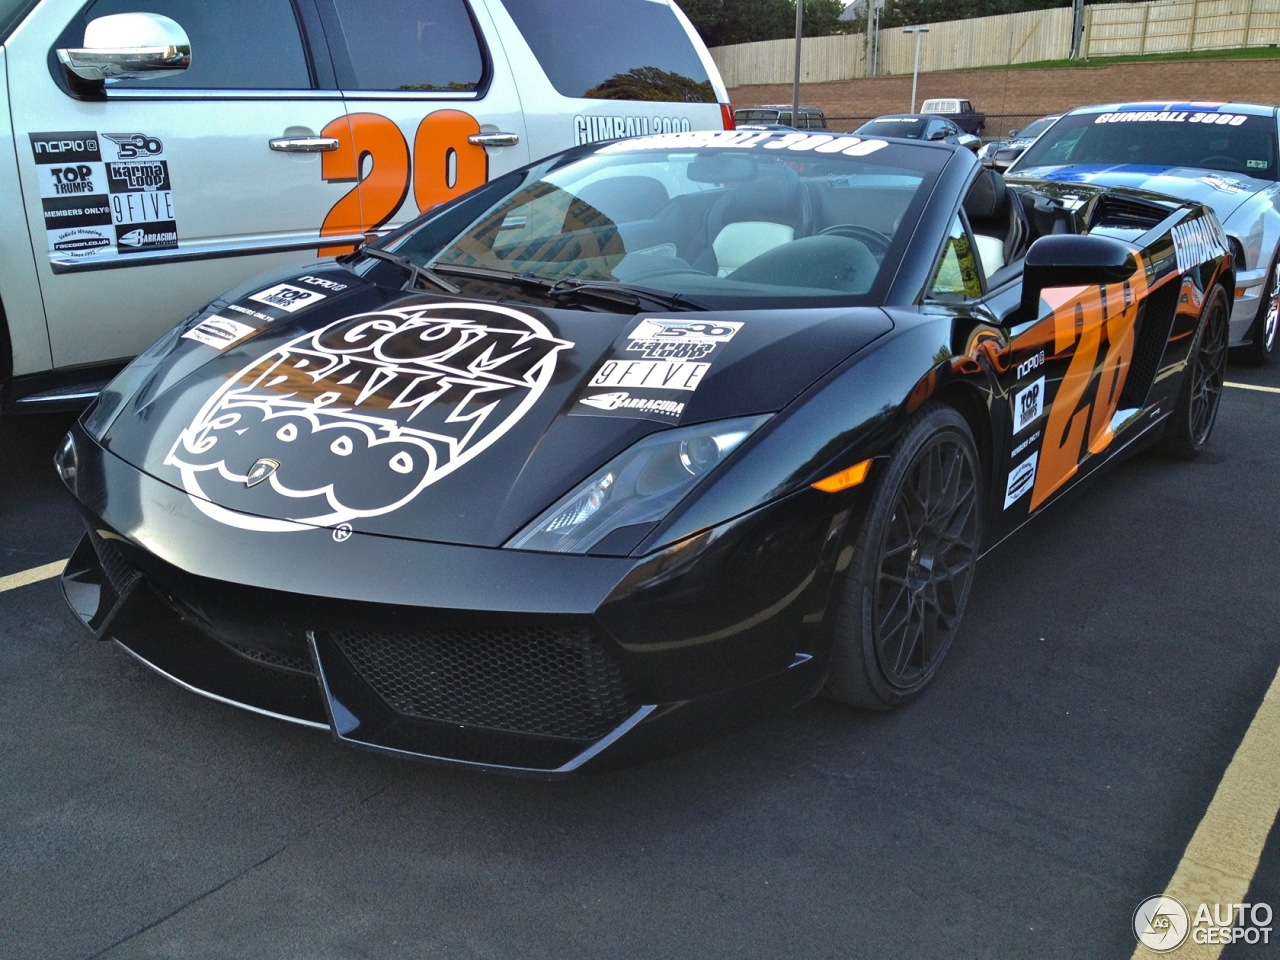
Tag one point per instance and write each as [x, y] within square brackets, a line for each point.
[654, 370]
[219, 332]
[286, 297]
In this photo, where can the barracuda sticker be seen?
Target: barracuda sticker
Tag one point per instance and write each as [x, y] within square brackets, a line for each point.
[362, 415]
[104, 193]
[655, 369]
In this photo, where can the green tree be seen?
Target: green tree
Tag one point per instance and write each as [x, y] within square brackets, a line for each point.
[721, 22]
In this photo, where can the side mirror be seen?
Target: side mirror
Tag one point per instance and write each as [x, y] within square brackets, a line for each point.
[128, 46]
[1069, 260]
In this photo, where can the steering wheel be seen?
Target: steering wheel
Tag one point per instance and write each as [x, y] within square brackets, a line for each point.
[877, 242]
[1219, 160]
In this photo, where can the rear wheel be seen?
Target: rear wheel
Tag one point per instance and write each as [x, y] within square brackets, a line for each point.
[1262, 334]
[1187, 429]
[912, 566]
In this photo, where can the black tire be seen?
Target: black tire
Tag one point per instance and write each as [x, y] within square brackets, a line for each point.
[1188, 427]
[912, 565]
[1262, 335]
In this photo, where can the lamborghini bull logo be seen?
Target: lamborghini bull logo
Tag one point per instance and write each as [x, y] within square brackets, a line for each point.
[358, 418]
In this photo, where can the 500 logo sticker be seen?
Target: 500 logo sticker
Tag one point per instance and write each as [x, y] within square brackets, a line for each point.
[374, 155]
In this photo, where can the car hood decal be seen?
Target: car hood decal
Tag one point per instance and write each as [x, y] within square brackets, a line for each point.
[345, 413]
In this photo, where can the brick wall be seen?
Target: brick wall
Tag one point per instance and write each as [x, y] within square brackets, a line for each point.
[1010, 98]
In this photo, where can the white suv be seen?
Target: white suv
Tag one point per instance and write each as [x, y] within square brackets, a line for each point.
[159, 151]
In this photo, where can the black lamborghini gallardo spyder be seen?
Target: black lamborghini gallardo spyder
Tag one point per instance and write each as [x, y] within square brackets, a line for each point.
[645, 435]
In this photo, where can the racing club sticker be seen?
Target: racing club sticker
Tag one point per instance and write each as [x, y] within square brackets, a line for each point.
[655, 370]
[104, 193]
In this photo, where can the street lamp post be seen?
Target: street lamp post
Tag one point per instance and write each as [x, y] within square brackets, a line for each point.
[915, 71]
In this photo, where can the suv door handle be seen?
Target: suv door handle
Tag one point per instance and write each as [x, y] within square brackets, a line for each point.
[304, 144]
[494, 139]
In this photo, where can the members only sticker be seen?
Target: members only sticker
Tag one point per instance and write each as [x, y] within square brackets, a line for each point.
[653, 372]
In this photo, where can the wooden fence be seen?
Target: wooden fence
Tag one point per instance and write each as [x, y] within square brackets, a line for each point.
[1163, 26]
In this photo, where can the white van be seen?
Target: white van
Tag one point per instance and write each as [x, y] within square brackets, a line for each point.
[162, 150]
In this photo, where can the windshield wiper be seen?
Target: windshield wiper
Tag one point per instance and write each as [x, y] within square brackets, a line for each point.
[417, 272]
[620, 293]
[606, 293]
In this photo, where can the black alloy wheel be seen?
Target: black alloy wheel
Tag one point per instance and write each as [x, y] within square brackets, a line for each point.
[1192, 420]
[912, 566]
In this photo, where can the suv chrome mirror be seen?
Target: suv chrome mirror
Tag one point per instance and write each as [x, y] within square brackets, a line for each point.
[129, 46]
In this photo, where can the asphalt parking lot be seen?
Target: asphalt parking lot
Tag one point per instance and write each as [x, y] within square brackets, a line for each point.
[1113, 664]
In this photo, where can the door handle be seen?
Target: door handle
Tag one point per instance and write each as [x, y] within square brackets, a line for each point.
[494, 139]
[304, 144]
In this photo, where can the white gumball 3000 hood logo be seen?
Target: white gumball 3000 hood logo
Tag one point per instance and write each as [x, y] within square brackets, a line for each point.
[362, 415]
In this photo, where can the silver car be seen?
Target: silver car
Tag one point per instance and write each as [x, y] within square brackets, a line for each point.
[1224, 155]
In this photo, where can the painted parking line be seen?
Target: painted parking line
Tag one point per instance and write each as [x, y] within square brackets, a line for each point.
[1219, 863]
[47, 572]
[1251, 386]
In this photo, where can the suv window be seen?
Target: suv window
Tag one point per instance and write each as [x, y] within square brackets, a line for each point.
[626, 50]
[412, 45]
[236, 44]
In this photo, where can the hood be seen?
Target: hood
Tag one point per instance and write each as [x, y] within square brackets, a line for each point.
[327, 400]
[1221, 192]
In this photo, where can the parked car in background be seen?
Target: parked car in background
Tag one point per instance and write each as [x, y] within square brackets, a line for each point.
[637, 440]
[1001, 153]
[958, 109]
[919, 126]
[1224, 155]
[156, 157]
[811, 118]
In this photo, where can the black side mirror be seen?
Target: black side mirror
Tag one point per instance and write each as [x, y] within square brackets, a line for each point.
[1068, 260]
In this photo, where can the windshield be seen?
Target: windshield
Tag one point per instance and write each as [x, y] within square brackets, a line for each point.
[703, 216]
[10, 10]
[1231, 142]
[910, 127]
[1035, 128]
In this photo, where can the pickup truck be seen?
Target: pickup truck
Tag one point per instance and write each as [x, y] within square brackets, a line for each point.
[959, 111]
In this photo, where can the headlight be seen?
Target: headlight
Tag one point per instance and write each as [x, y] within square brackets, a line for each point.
[635, 489]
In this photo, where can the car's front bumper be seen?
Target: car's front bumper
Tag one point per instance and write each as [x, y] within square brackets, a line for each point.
[525, 662]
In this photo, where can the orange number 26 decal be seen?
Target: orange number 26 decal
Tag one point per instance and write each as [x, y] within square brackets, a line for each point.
[1097, 327]
[373, 154]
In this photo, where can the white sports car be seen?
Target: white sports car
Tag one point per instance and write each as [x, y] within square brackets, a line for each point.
[1224, 155]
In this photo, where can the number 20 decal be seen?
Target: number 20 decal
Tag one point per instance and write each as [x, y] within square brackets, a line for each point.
[1099, 324]
[444, 164]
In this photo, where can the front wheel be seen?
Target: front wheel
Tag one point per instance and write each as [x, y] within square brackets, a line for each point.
[912, 566]
[1188, 427]
[1262, 335]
